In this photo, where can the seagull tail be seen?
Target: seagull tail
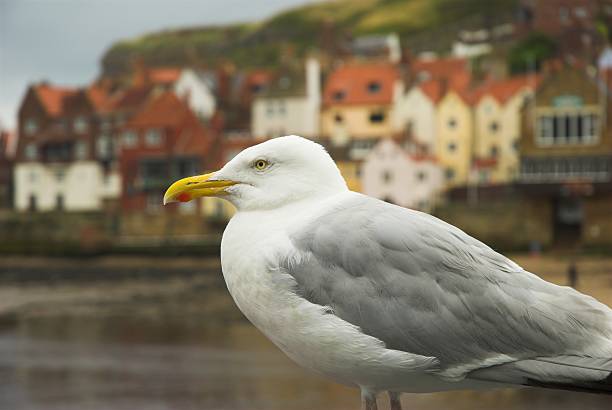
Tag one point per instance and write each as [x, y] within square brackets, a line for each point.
[575, 373]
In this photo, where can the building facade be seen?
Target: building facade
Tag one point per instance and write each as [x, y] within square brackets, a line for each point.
[290, 104]
[358, 104]
[58, 166]
[566, 156]
[391, 173]
[163, 142]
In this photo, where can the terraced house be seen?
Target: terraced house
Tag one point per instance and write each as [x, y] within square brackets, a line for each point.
[358, 103]
[497, 110]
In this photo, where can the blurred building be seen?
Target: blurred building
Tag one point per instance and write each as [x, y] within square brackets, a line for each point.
[415, 112]
[572, 23]
[455, 136]
[8, 146]
[199, 89]
[566, 156]
[390, 172]
[289, 104]
[497, 128]
[163, 142]
[57, 166]
[377, 47]
[358, 103]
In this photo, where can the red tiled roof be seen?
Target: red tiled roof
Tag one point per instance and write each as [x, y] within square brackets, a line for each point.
[349, 84]
[165, 110]
[503, 90]
[433, 90]
[52, 98]
[101, 99]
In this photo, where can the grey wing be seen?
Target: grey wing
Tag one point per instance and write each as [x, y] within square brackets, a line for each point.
[425, 287]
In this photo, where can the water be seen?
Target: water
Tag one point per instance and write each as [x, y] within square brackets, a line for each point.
[170, 352]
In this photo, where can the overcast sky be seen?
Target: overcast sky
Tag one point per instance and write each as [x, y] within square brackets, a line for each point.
[62, 41]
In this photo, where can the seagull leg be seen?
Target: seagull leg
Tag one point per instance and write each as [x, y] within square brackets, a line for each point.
[368, 400]
[394, 399]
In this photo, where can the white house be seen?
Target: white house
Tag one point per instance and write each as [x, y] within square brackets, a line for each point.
[198, 87]
[391, 173]
[290, 105]
[75, 186]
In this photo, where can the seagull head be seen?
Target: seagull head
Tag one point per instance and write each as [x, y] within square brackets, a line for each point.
[266, 176]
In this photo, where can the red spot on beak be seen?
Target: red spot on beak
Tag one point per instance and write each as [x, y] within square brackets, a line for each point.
[183, 197]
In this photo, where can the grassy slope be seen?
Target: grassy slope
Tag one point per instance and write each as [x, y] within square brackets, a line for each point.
[425, 24]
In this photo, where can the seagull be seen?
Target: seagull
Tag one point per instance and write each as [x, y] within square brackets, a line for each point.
[389, 299]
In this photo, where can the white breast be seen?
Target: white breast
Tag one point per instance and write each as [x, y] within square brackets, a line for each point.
[306, 332]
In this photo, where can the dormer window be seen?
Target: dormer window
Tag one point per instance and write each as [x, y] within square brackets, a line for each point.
[373, 87]
[339, 95]
[153, 137]
[31, 126]
[80, 125]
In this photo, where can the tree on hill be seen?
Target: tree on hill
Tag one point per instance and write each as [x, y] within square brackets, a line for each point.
[529, 53]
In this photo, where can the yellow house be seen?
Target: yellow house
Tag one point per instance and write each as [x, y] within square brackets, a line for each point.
[454, 136]
[358, 100]
[497, 128]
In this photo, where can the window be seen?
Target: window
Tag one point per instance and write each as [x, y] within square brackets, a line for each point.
[129, 139]
[31, 151]
[387, 177]
[60, 174]
[452, 147]
[338, 118]
[104, 147]
[373, 87]
[421, 176]
[80, 125]
[31, 126]
[32, 203]
[281, 107]
[568, 128]
[80, 150]
[269, 109]
[59, 202]
[339, 95]
[580, 12]
[515, 144]
[450, 174]
[494, 126]
[377, 117]
[452, 123]
[563, 15]
[494, 151]
[153, 137]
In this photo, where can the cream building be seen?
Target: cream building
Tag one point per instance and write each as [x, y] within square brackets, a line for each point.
[454, 136]
[358, 102]
[415, 113]
[497, 128]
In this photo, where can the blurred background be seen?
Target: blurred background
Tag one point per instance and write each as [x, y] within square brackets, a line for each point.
[492, 115]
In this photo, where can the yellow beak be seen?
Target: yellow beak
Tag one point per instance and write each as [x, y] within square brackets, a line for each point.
[186, 189]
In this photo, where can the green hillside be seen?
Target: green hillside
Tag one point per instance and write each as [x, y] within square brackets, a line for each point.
[422, 24]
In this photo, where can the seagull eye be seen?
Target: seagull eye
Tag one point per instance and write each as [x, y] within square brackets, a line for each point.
[261, 164]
